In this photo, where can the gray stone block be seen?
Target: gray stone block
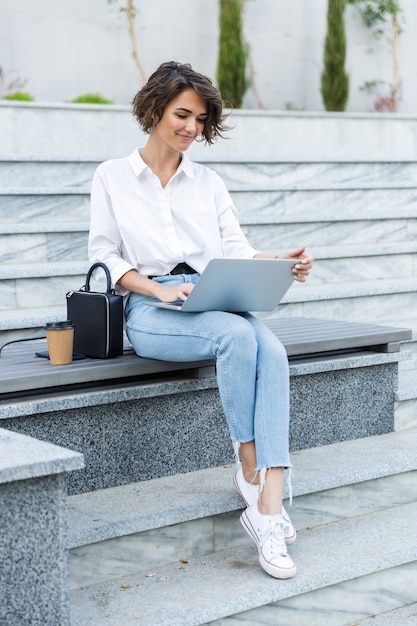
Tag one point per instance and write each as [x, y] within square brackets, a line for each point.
[180, 427]
[33, 563]
[341, 405]
[33, 558]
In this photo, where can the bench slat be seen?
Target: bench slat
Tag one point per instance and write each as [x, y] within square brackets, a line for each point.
[21, 371]
[303, 336]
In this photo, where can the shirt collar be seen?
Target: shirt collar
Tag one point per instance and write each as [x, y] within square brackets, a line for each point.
[136, 162]
[186, 166]
[138, 165]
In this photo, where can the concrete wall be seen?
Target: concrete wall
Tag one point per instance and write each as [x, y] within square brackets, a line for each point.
[71, 47]
[100, 132]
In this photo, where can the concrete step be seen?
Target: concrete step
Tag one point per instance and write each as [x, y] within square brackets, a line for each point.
[317, 175]
[339, 204]
[377, 301]
[113, 531]
[404, 616]
[364, 601]
[169, 547]
[33, 228]
[46, 174]
[375, 239]
[351, 301]
[29, 323]
[24, 207]
[26, 295]
[237, 174]
[43, 270]
[261, 190]
[310, 292]
[332, 263]
[273, 236]
[337, 264]
[229, 582]
[44, 246]
[29, 203]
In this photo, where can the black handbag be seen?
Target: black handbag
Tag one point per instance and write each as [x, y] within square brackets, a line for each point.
[97, 319]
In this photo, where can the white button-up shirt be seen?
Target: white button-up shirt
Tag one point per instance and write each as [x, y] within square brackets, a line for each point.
[138, 224]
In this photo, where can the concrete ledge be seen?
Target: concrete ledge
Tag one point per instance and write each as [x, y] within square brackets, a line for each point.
[50, 403]
[131, 433]
[230, 582]
[119, 511]
[406, 616]
[127, 415]
[33, 555]
[57, 129]
[22, 457]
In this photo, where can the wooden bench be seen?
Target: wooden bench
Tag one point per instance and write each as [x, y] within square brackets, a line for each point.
[135, 418]
[305, 338]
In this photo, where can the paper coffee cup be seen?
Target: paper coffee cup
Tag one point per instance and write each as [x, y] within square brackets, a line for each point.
[60, 338]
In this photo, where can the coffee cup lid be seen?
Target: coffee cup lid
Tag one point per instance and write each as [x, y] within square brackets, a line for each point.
[59, 325]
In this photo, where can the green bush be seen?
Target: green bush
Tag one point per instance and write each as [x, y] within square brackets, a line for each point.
[233, 54]
[92, 98]
[334, 79]
[23, 96]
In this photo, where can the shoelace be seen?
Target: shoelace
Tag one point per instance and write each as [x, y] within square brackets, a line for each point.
[275, 534]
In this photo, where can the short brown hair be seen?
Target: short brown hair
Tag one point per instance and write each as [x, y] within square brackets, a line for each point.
[167, 82]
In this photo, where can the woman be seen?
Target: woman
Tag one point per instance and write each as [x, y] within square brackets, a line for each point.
[156, 220]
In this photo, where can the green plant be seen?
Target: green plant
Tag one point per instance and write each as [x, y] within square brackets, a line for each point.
[382, 103]
[376, 15]
[334, 79]
[92, 98]
[23, 96]
[233, 54]
[290, 106]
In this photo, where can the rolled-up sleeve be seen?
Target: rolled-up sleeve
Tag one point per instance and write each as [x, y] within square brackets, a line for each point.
[234, 242]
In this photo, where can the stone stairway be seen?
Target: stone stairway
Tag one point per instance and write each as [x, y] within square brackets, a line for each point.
[44, 211]
[360, 228]
[171, 551]
[358, 219]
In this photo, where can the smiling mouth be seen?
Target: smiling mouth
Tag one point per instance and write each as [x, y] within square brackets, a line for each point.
[187, 137]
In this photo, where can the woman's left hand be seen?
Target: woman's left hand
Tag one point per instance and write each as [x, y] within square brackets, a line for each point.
[302, 268]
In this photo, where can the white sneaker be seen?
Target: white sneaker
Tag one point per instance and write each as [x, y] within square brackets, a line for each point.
[268, 532]
[250, 495]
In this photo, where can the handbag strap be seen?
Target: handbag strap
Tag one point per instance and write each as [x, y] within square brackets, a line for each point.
[108, 277]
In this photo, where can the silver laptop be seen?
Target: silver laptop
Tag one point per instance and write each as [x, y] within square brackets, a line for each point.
[237, 285]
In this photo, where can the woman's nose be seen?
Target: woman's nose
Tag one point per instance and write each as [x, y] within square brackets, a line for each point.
[191, 125]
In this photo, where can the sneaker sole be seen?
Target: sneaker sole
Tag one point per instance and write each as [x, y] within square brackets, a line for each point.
[290, 540]
[282, 574]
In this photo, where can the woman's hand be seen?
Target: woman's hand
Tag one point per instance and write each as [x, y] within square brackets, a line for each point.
[173, 293]
[305, 261]
[135, 282]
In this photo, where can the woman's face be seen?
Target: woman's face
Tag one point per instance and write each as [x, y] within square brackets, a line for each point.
[182, 121]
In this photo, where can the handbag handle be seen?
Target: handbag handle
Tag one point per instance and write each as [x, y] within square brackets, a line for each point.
[108, 277]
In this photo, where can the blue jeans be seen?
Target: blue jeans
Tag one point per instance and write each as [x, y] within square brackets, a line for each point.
[251, 365]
